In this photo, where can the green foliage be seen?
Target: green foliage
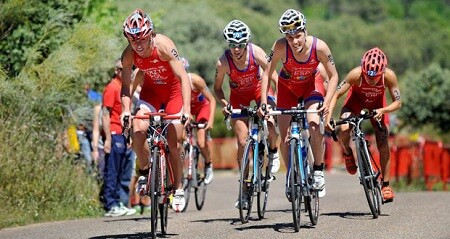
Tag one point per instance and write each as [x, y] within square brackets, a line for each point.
[37, 27]
[426, 100]
[39, 182]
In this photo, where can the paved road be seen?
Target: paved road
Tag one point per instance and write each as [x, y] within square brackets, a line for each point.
[343, 214]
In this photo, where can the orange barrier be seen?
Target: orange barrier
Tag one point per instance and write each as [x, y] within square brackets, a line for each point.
[426, 159]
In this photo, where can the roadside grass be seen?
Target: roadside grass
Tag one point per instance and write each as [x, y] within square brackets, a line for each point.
[36, 186]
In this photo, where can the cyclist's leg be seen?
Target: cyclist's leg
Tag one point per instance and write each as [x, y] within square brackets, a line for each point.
[241, 132]
[204, 143]
[283, 123]
[272, 139]
[317, 146]
[382, 138]
[139, 136]
[348, 146]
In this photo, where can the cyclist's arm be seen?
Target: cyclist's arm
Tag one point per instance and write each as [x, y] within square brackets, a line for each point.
[272, 60]
[221, 70]
[200, 84]
[350, 79]
[391, 82]
[326, 58]
[169, 52]
[137, 82]
[324, 75]
[127, 64]
[261, 58]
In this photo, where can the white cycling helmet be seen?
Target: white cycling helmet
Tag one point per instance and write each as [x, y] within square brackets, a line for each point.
[292, 21]
[236, 32]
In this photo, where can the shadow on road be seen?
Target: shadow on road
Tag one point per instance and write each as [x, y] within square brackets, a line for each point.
[278, 227]
[352, 215]
[141, 235]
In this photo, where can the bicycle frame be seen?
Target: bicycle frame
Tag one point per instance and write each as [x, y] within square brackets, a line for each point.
[160, 178]
[191, 177]
[299, 163]
[257, 142]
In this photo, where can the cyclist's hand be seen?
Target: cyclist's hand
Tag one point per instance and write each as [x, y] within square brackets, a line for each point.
[263, 110]
[225, 109]
[209, 125]
[378, 114]
[186, 119]
[324, 110]
[125, 115]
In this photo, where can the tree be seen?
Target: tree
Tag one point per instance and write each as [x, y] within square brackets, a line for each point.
[425, 99]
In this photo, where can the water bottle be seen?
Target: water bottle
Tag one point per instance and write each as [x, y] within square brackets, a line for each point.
[295, 130]
[255, 131]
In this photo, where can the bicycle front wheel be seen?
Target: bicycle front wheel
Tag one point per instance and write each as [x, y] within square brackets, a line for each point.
[369, 179]
[154, 191]
[164, 200]
[312, 200]
[294, 183]
[200, 188]
[245, 183]
[266, 177]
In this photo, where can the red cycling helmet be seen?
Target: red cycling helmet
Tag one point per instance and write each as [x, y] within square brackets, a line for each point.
[138, 25]
[374, 62]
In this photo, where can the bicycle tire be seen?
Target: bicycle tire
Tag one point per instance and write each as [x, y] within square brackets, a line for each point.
[367, 178]
[376, 181]
[187, 179]
[245, 183]
[154, 191]
[312, 200]
[164, 203]
[200, 188]
[294, 183]
[263, 195]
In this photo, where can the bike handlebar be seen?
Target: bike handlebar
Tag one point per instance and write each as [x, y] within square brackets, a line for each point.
[355, 121]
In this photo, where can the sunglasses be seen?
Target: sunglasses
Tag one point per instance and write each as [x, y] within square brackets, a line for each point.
[237, 45]
[291, 28]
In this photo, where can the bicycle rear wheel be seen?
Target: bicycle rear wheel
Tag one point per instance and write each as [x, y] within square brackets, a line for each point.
[263, 195]
[187, 177]
[245, 183]
[200, 188]
[311, 201]
[294, 183]
[369, 179]
[154, 191]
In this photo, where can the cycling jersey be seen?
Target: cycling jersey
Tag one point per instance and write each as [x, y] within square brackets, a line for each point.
[161, 88]
[297, 79]
[366, 96]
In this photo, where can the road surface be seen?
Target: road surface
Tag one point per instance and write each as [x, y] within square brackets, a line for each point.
[344, 213]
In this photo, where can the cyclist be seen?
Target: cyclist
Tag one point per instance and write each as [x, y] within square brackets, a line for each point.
[301, 55]
[203, 107]
[367, 84]
[165, 86]
[242, 62]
